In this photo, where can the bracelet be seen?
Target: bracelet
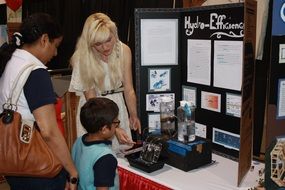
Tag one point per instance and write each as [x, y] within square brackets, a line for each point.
[73, 180]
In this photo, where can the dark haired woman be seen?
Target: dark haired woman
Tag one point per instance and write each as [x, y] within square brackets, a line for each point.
[37, 43]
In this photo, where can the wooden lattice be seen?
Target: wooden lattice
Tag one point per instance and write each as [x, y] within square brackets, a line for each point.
[278, 163]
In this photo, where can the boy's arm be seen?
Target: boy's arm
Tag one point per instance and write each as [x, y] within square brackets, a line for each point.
[105, 170]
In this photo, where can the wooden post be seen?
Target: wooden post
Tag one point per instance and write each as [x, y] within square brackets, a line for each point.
[70, 105]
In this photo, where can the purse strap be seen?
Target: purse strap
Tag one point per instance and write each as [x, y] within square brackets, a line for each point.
[18, 85]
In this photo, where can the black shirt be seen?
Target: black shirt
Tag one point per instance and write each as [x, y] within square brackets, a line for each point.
[38, 89]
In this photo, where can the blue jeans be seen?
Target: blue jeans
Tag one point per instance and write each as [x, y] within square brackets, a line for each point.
[35, 183]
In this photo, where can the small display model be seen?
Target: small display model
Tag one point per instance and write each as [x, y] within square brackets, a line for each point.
[186, 122]
[278, 163]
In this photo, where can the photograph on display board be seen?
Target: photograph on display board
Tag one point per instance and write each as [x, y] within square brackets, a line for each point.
[159, 79]
[227, 139]
[159, 42]
[281, 53]
[281, 99]
[211, 101]
[153, 101]
[154, 123]
[189, 94]
[200, 130]
[233, 104]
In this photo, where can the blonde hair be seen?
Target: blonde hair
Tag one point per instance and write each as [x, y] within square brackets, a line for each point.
[97, 28]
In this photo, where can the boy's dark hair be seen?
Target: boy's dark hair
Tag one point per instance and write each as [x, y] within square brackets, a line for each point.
[97, 112]
[32, 28]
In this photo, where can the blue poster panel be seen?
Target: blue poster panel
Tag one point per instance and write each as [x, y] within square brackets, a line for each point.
[278, 18]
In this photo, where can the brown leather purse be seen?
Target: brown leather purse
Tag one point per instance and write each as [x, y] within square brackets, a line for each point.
[23, 151]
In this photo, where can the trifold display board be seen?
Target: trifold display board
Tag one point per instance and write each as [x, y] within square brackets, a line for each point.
[275, 114]
[204, 55]
[275, 105]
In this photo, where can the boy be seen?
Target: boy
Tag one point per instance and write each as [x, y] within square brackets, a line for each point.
[92, 153]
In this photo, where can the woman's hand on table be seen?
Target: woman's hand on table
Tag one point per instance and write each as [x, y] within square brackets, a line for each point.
[123, 137]
[135, 124]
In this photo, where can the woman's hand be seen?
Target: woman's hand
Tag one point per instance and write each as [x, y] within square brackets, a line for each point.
[69, 186]
[135, 124]
[122, 137]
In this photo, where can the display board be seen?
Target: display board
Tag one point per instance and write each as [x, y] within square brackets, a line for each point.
[275, 105]
[246, 127]
[158, 67]
[204, 55]
[212, 59]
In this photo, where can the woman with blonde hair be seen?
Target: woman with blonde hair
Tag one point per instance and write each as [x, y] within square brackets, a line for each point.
[102, 67]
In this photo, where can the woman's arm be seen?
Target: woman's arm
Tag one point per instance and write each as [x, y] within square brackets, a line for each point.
[90, 94]
[129, 91]
[46, 119]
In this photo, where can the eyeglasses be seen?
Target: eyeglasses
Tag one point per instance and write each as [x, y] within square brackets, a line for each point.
[117, 123]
